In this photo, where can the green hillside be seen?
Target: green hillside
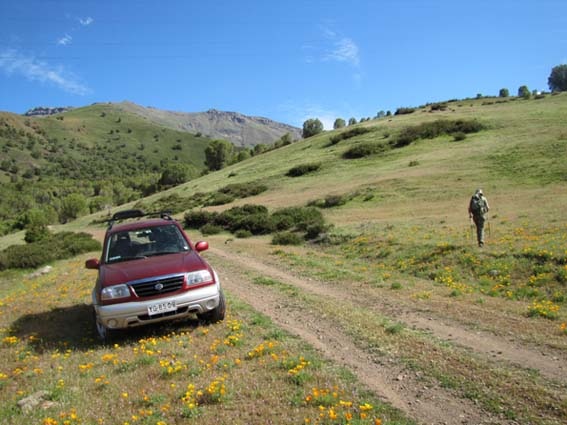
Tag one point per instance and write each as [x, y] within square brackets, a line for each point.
[518, 155]
[391, 315]
[100, 152]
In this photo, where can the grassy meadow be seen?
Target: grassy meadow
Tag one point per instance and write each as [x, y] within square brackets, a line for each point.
[241, 371]
[400, 239]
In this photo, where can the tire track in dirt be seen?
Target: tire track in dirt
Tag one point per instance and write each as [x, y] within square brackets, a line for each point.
[493, 347]
[394, 383]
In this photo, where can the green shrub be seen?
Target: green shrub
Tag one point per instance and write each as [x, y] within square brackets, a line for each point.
[301, 170]
[218, 198]
[431, 130]
[253, 218]
[197, 219]
[457, 137]
[353, 132]
[404, 111]
[243, 234]
[210, 229]
[362, 150]
[37, 233]
[244, 190]
[334, 201]
[297, 218]
[57, 247]
[287, 238]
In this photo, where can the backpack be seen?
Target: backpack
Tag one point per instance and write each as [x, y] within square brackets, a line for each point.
[478, 205]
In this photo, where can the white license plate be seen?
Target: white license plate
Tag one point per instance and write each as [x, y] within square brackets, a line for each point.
[161, 308]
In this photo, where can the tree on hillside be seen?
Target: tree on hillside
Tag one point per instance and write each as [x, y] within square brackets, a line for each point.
[352, 121]
[557, 80]
[175, 174]
[311, 127]
[218, 154]
[72, 206]
[339, 123]
[524, 92]
[504, 93]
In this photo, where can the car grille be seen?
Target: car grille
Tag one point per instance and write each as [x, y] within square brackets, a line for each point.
[151, 288]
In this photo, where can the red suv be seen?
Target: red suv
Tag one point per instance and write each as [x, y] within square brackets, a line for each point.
[149, 272]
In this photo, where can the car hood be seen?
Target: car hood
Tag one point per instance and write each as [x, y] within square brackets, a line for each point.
[127, 271]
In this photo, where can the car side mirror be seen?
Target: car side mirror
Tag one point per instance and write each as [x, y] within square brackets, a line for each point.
[93, 263]
[202, 246]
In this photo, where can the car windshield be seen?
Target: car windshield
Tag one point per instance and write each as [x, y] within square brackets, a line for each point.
[146, 242]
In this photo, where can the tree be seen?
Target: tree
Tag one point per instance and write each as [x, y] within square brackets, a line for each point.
[504, 93]
[311, 127]
[352, 121]
[557, 80]
[36, 226]
[175, 174]
[218, 154]
[524, 92]
[339, 123]
[72, 206]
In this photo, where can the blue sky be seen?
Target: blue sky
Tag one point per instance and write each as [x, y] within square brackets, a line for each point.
[288, 61]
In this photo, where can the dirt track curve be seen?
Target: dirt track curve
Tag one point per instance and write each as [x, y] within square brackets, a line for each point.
[389, 379]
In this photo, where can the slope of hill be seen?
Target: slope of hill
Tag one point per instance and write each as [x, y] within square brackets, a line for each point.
[241, 130]
[397, 293]
[101, 153]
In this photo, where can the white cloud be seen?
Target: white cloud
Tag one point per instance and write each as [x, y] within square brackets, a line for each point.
[16, 63]
[86, 21]
[344, 50]
[66, 39]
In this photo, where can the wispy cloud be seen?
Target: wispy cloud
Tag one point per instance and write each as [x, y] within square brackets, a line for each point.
[66, 39]
[86, 21]
[13, 62]
[344, 50]
[332, 47]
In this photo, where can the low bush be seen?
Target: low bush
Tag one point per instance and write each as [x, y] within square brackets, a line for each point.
[248, 220]
[287, 238]
[404, 111]
[218, 198]
[197, 219]
[353, 132]
[457, 137]
[362, 150]
[297, 218]
[57, 247]
[301, 170]
[211, 229]
[243, 234]
[431, 130]
[330, 201]
[244, 190]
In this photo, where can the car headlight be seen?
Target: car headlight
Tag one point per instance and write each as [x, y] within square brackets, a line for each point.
[201, 276]
[113, 292]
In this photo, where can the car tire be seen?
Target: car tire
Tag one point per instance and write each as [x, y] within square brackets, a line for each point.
[103, 333]
[216, 314]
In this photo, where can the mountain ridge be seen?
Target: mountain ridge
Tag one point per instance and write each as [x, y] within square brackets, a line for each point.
[240, 129]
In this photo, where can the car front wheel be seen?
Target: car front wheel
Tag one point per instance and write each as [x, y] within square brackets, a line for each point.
[216, 314]
[104, 334]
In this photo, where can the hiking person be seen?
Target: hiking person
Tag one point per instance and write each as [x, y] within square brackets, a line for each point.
[478, 207]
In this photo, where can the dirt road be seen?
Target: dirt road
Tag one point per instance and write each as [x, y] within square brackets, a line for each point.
[404, 388]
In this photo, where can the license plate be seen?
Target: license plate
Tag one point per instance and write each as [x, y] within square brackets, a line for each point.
[161, 308]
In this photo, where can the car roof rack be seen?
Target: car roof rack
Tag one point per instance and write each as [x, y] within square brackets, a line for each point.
[134, 213]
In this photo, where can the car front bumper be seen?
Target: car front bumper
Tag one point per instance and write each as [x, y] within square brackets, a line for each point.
[131, 314]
